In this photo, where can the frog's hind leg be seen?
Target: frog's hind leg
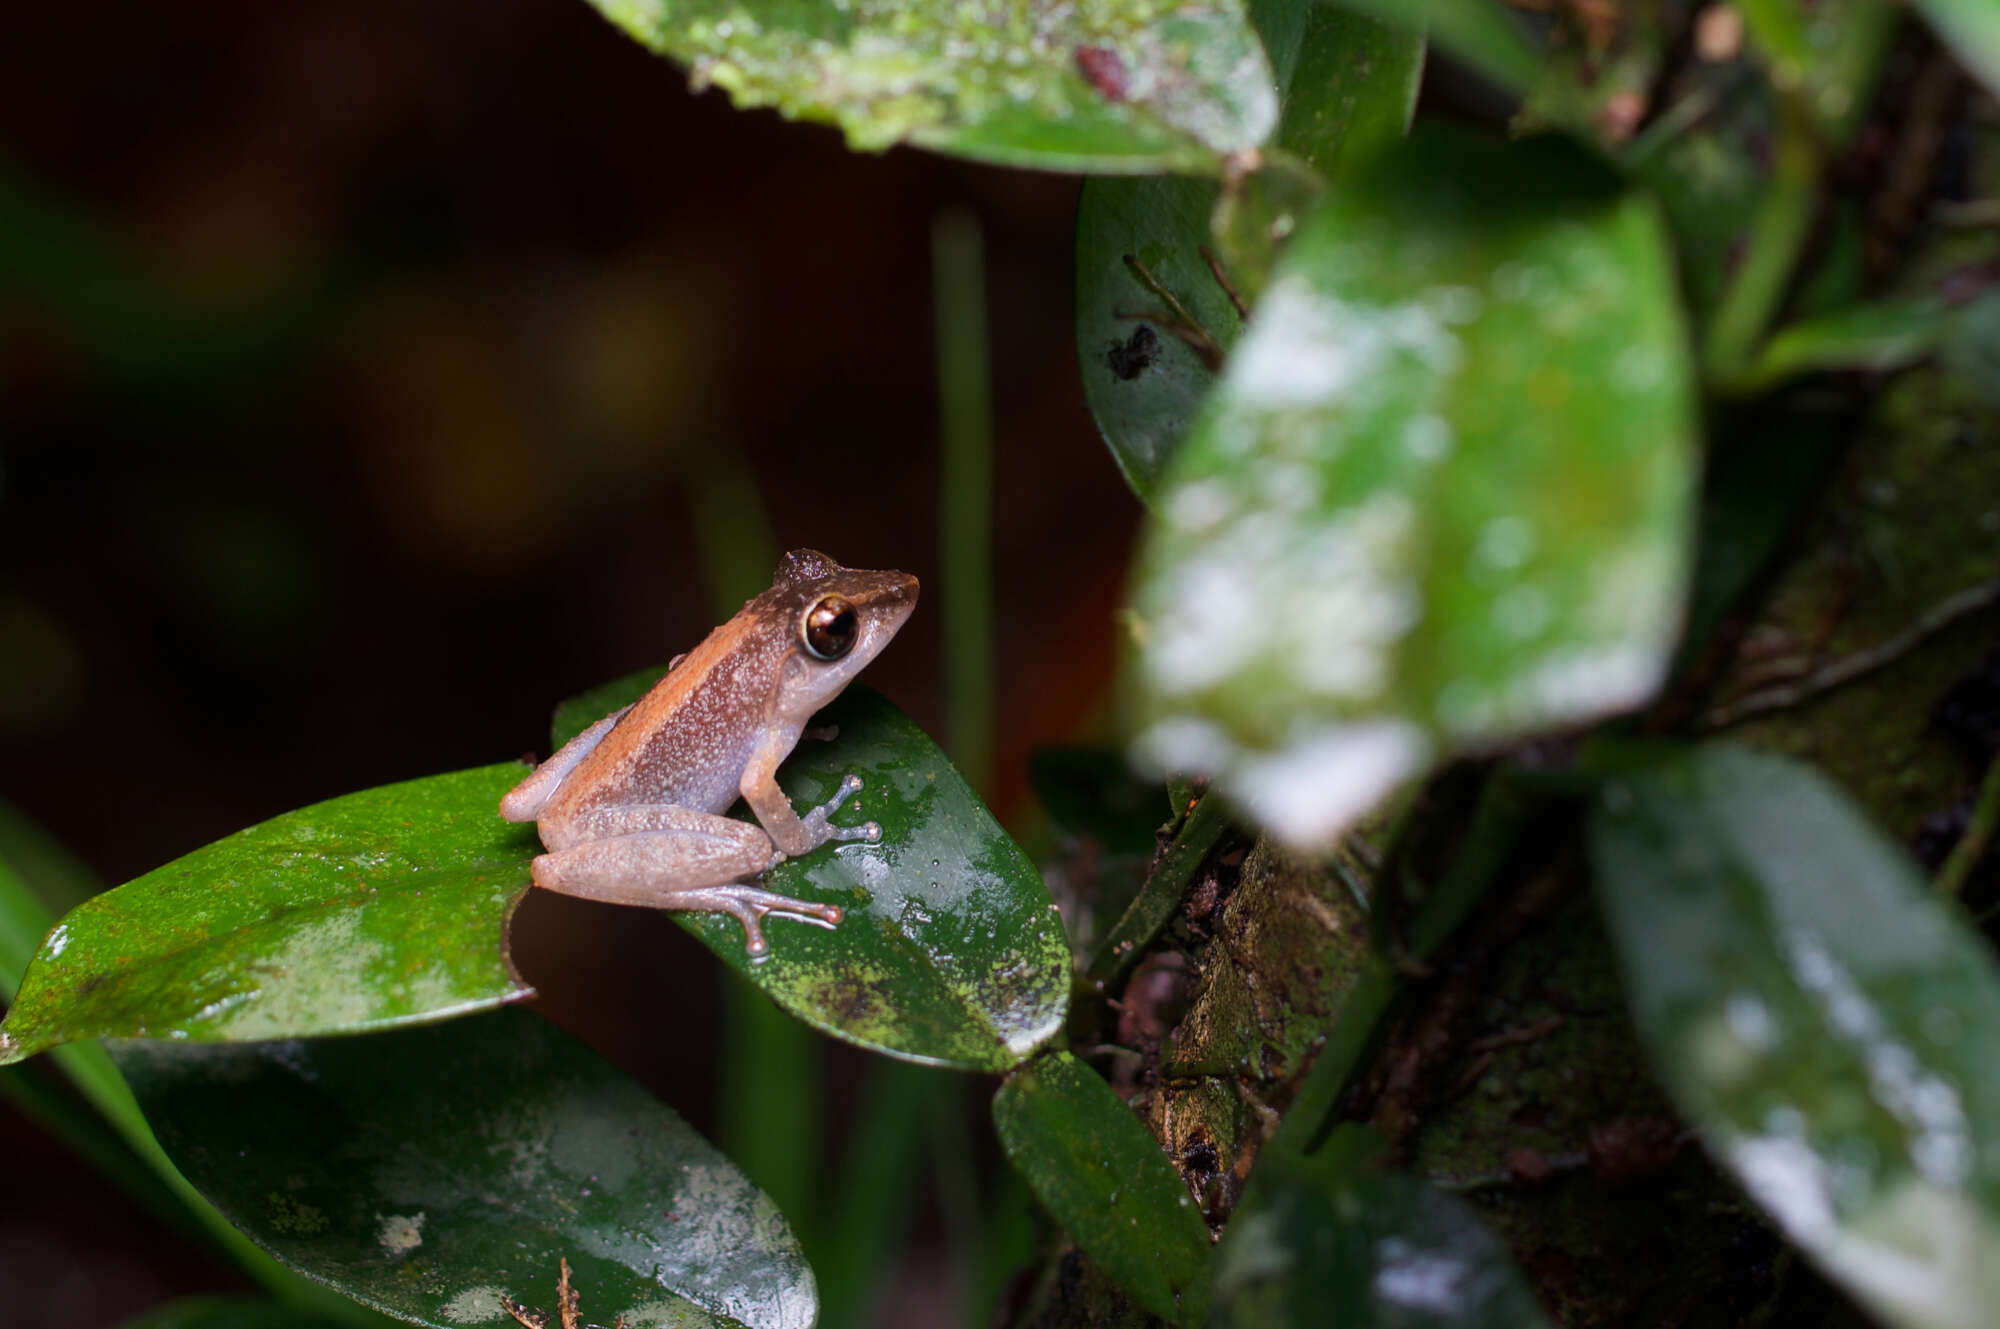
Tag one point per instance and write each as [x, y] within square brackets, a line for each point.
[525, 800]
[674, 858]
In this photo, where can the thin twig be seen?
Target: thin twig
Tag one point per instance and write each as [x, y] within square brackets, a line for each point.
[566, 1299]
[1180, 322]
[1972, 845]
[1957, 605]
[1222, 280]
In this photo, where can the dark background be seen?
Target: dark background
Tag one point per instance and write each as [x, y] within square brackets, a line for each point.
[359, 362]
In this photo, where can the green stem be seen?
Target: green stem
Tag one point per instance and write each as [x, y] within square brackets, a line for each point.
[1821, 98]
[1779, 29]
[1504, 805]
[1161, 895]
[871, 1206]
[1978, 837]
[23, 921]
[79, 1130]
[768, 1073]
[1778, 232]
[965, 506]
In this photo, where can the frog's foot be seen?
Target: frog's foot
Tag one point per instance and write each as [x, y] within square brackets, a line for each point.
[819, 824]
[823, 733]
[749, 904]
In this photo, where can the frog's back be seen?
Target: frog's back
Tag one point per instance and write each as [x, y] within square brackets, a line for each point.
[686, 742]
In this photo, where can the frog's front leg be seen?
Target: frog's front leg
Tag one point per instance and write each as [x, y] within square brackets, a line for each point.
[793, 834]
[667, 857]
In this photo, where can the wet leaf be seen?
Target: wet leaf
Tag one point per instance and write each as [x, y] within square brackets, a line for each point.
[1134, 85]
[1347, 86]
[429, 1172]
[1442, 498]
[1094, 1167]
[951, 953]
[1325, 1241]
[380, 908]
[1828, 1025]
[1971, 28]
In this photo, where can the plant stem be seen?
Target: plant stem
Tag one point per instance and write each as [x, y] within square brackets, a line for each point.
[1978, 837]
[872, 1204]
[966, 504]
[1778, 232]
[768, 1072]
[1157, 899]
[23, 922]
[1821, 97]
[1504, 805]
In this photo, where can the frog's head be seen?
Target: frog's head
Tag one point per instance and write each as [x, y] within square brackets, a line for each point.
[841, 619]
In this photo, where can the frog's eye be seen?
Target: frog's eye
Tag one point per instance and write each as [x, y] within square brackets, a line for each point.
[830, 628]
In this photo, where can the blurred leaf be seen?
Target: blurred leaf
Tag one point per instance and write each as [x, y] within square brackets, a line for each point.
[380, 908]
[1888, 334]
[1126, 86]
[1323, 1240]
[1972, 349]
[1832, 1029]
[1092, 792]
[1347, 86]
[1971, 28]
[1701, 160]
[226, 1313]
[1442, 498]
[1350, 85]
[1480, 33]
[1100, 1174]
[429, 1172]
[951, 953]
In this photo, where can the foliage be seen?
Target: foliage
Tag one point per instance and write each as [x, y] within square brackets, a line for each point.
[1432, 595]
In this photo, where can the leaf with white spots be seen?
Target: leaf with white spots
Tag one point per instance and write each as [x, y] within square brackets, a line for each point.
[380, 908]
[1118, 86]
[1831, 1028]
[1440, 500]
[430, 1173]
[1346, 86]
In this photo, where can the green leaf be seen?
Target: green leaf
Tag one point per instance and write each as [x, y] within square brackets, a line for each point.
[1832, 1030]
[380, 908]
[1347, 86]
[1479, 32]
[227, 1313]
[1144, 381]
[1971, 351]
[1888, 334]
[1442, 499]
[951, 953]
[1127, 86]
[144, 1172]
[1971, 28]
[1094, 1167]
[428, 1172]
[1323, 1241]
